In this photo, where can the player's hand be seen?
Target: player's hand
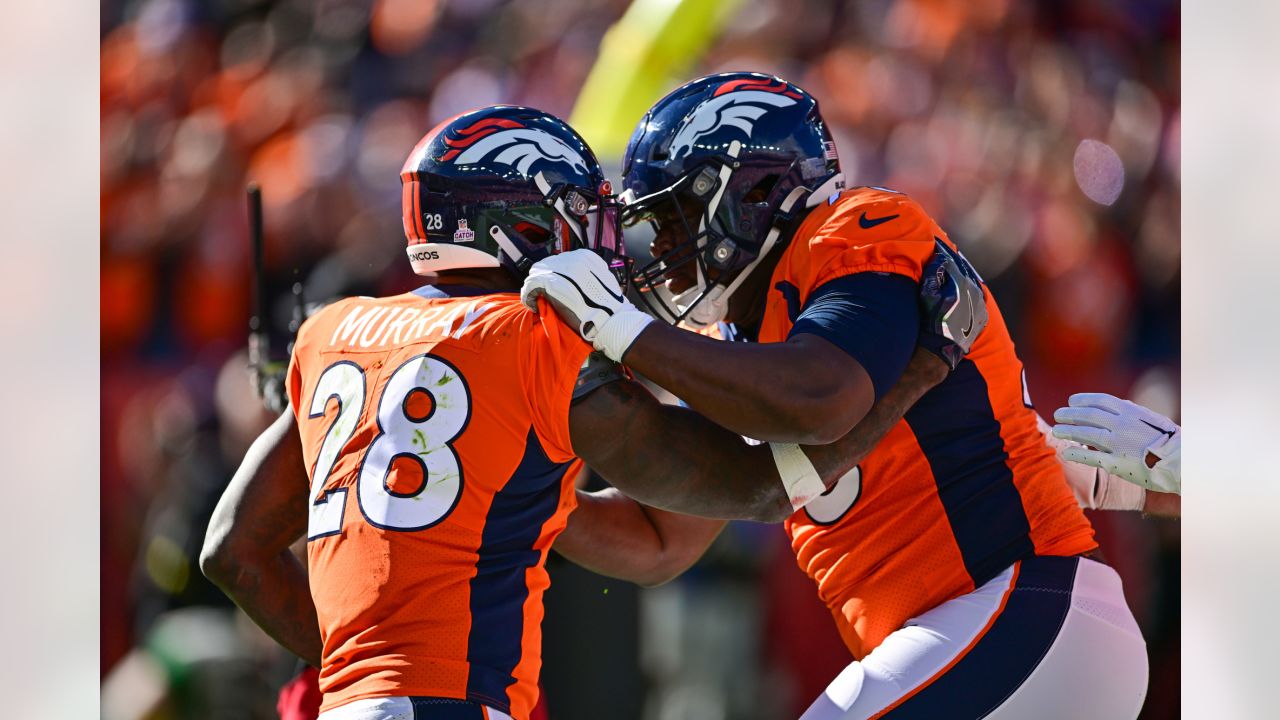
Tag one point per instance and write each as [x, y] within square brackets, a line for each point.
[1123, 438]
[586, 295]
[1094, 488]
[953, 307]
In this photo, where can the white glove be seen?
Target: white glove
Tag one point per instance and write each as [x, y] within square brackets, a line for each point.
[1094, 488]
[1128, 440]
[585, 294]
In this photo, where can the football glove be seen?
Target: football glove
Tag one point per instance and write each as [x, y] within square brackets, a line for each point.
[952, 304]
[1123, 438]
[1093, 487]
[585, 294]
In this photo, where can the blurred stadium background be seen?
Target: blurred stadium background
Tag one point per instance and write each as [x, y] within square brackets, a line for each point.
[1043, 136]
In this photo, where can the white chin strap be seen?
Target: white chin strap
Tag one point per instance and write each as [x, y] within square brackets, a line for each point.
[713, 307]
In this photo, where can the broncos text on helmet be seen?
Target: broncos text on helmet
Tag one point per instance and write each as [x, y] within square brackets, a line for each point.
[504, 186]
[721, 165]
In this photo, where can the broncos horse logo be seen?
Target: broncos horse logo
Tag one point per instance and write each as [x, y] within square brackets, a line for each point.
[738, 103]
[509, 142]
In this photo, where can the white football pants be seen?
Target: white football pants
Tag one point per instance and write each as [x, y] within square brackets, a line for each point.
[1049, 638]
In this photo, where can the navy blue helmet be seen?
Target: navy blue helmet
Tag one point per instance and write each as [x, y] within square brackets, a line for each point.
[505, 186]
[724, 162]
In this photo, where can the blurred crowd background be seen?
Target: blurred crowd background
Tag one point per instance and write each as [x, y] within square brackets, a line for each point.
[1043, 136]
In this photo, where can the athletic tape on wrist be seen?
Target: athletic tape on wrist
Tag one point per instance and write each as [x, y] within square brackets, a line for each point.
[616, 334]
[1115, 493]
[799, 477]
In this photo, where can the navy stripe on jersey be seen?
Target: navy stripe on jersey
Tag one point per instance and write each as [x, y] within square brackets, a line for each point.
[960, 437]
[498, 591]
[1012, 648]
[791, 294]
[872, 316]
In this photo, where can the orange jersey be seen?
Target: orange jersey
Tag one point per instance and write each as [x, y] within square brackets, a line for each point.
[959, 489]
[435, 431]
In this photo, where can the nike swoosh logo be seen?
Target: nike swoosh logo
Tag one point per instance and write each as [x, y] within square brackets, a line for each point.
[969, 330]
[605, 287]
[867, 223]
[1157, 428]
[583, 293]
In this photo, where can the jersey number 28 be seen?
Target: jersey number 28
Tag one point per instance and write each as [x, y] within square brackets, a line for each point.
[405, 435]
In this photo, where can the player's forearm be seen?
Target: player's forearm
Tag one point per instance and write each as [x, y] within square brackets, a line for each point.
[274, 593]
[776, 392]
[764, 495]
[613, 535]
[922, 374]
[688, 463]
[1158, 504]
[699, 468]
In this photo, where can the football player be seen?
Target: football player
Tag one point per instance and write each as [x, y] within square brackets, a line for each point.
[432, 439]
[961, 573]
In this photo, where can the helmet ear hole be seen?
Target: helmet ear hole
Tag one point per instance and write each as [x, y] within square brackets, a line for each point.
[760, 191]
[533, 233]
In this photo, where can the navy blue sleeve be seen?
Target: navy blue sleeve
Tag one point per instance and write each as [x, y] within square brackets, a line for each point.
[870, 315]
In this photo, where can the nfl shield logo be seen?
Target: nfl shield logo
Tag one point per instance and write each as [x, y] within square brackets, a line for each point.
[463, 234]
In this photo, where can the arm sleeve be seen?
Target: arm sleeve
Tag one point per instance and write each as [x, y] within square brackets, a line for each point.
[872, 316]
[557, 355]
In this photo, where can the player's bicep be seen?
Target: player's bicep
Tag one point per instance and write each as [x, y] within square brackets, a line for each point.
[871, 317]
[638, 444]
[601, 421]
[264, 508]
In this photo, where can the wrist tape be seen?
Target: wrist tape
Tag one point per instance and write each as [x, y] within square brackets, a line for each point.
[615, 335]
[799, 477]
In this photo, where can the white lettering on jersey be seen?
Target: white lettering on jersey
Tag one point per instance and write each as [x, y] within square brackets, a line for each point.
[470, 318]
[366, 339]
[398, 325]
[365, 326]
[352, 324]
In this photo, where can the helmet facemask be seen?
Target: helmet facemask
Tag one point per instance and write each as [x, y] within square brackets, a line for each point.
[595, 222]
[719, 235]
[762, 146]
[568, 218]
